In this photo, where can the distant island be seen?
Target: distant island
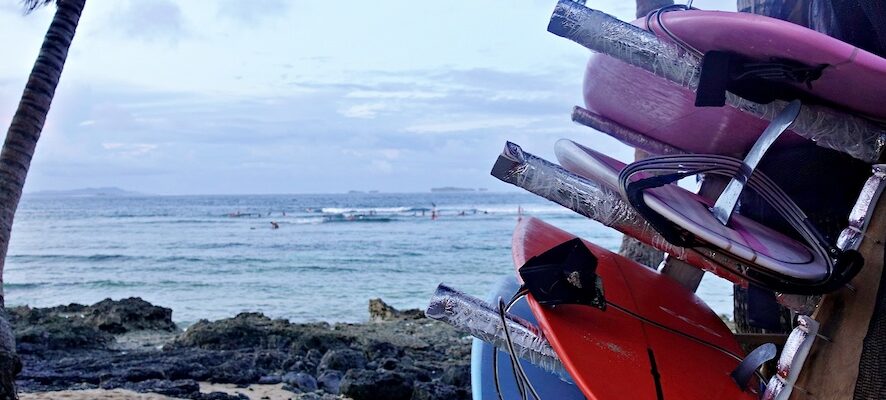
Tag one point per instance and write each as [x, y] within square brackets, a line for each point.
[87, 192]
[454, 189]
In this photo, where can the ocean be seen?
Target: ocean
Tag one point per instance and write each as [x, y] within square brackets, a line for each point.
[214, 256]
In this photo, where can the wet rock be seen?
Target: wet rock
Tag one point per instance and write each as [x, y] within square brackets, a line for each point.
[313, 357]
[389, 364]
[126, 315]
[143, 374]
[380, 311]
[330, 381]
[57, 333]
[238, 370]
[457, 374]
[415, 373]
[315, 396]
[361, 384]
[270, 380]
[218, 396]
[242, 350]
[319, 338]
[76, 326]
[342, 360]
[180, 388]
[380, 350]
[246, 330]
[431, 391]
[302, 381]
[271, 360]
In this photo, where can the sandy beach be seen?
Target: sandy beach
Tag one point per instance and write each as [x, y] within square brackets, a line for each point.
[252, 392]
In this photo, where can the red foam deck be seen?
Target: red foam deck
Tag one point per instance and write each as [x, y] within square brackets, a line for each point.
[607, 352]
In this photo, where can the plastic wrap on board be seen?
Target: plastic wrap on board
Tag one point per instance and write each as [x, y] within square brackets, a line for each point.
[860, 217]
[482, 321]
[598, 31]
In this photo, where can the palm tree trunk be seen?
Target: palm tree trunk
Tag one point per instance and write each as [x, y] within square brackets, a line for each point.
[18, 149]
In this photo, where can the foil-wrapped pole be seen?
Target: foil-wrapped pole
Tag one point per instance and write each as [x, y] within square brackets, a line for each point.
[793, 356]
[860, 216]
[597, 202]
[601, 32]
[481, 320]
[622, 133]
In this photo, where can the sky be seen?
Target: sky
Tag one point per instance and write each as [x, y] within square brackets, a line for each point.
[277, 96]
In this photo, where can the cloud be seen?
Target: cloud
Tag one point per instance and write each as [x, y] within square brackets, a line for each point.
[252, 12]
[471, 125]
[150, 20]
[364, 132]
[382, 166]
[366, 111]
[378, 94]
[130, 149]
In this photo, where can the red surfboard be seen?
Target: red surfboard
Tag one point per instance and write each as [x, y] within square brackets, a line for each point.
[613, 355]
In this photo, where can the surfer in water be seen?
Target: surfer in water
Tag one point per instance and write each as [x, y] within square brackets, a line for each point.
[275, 225]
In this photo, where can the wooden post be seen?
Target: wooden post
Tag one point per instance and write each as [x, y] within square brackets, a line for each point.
[832, 367]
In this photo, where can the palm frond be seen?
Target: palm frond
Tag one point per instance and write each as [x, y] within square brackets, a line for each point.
[31, 5]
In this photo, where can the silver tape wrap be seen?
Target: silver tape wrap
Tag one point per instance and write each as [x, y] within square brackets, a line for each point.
[581, 195]
[481, 320]
[606, 34]
[601, 32]
[860, 217]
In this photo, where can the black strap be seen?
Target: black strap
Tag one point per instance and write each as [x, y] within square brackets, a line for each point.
[714, 79]
[843, 265]
[754, 80]
[565, 274]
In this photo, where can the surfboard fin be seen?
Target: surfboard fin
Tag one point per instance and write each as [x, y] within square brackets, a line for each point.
[565, 274]
[743, 373]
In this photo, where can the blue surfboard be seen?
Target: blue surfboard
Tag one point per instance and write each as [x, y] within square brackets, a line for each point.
[548, 385]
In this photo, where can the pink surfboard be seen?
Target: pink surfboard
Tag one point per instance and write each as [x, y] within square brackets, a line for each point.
[743, 238]
[854, 78]
[666, 112]
[613, 355]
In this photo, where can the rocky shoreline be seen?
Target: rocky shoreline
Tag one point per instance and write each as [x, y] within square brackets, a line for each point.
[134, 345]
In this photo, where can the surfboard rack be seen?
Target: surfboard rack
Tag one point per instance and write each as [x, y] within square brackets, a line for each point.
[600, 202]
[792, 358]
